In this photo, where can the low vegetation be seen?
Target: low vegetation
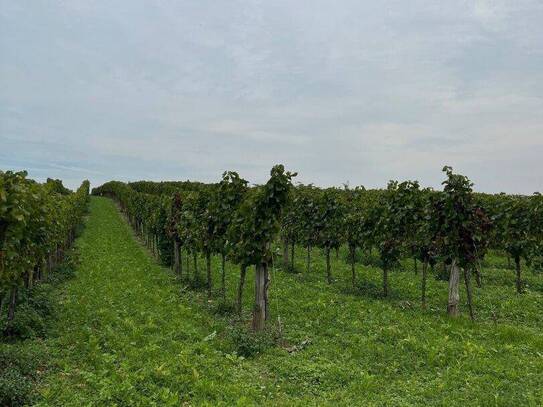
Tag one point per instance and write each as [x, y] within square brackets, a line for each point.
[132, 332]
[230, 294]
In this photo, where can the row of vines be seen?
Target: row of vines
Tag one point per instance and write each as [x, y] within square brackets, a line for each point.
[38, 223]
[451, 229]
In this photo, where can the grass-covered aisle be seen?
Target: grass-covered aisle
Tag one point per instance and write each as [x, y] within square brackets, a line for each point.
[123, 335]
[126, 335]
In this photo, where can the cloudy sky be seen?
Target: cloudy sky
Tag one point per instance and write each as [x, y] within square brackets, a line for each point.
[341, 90]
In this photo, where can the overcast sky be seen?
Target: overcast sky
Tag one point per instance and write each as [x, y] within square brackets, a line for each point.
[340, 91]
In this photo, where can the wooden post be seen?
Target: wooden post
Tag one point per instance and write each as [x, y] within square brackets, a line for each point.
[423, 284]
[208, 269]
[223, 276]
[478, 277]
[261, 297]
[196, 271]
[243, 272]
[26, 279]
[519, 280]
[188, 264]
[3, 300]
[285, 254]
[30, 278]
[353, 257]
[176, 264]
[180, 251]
[12, 303]
[467, 275]
[308, 258]
[385, 281]
[328, 269]
[292, 255]
[454, 295]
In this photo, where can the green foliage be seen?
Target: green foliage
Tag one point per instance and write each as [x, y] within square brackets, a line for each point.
[536, 232]
[462, 225]
[516, 228]
[27, 322]
[306, 210]
[354, 218]
[403, 220]
[208, 220]
[230, 193]
[127, 336]
[248, 343]
[19, 369]
[330, 220]
[393, 217]
[23, 355]
[36, 222]
[257, 221]
[55, 185]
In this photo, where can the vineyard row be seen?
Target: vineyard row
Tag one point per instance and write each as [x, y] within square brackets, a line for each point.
[454, 227]
[38, 224]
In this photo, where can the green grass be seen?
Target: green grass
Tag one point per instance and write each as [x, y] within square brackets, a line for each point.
[129, 333]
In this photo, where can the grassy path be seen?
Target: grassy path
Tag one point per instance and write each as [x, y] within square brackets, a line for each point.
[126, 335]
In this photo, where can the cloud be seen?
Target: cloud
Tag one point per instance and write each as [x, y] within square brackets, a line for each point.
[352, 91]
